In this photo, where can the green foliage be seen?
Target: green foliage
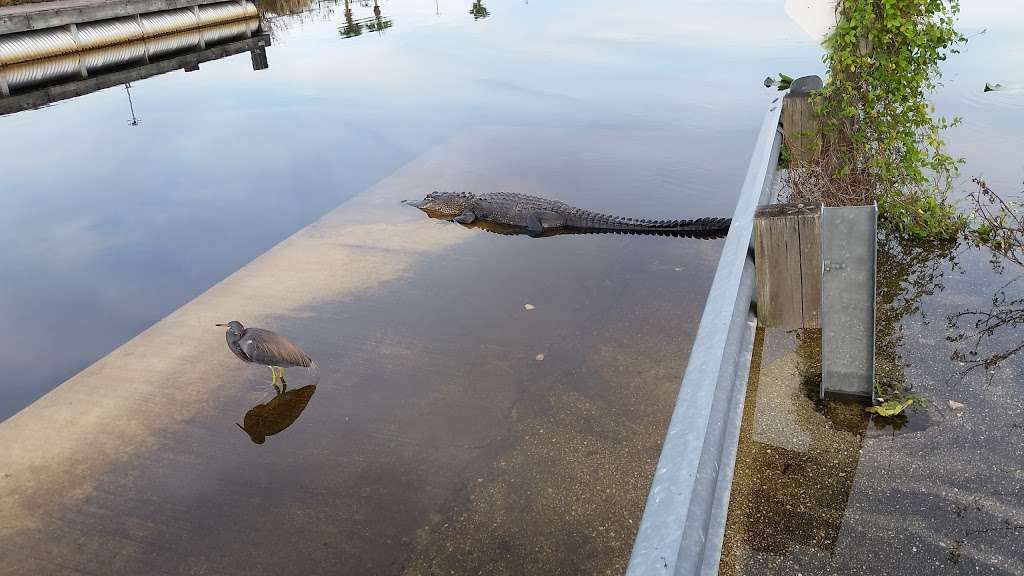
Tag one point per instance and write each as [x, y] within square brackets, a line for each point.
[784, 156]
[924, 217]
[883, 59]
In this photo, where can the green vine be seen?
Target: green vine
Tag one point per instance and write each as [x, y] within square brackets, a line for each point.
[883, 61]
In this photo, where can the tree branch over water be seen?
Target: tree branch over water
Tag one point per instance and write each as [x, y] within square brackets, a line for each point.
[1001, 225]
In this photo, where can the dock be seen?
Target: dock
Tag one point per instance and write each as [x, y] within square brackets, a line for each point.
[35, 16]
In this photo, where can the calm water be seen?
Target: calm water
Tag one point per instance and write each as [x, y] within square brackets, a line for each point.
[108, 227]
[451, 429]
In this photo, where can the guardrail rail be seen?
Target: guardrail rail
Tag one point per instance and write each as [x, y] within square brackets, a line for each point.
[683, 524]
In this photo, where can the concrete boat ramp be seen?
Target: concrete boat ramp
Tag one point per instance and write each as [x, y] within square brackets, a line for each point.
[450, 429]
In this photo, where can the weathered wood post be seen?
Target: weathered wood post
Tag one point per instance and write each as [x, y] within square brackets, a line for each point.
[787, 253]
[801, 131]
[259, 58]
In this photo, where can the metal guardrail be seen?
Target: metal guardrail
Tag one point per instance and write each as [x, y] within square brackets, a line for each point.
[683, 524]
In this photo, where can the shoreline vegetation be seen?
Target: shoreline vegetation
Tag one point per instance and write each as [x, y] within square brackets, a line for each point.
[880, 140]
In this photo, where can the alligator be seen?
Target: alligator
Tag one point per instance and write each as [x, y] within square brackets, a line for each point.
[511, 213]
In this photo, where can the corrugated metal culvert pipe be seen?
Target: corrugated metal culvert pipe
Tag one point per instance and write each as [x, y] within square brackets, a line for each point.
[50, 42]
[69, 66]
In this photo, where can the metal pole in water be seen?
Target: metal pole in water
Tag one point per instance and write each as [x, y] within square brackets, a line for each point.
[848, 247]
[131, 105]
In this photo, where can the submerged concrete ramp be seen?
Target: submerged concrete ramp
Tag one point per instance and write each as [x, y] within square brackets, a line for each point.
[448, 420]
[72, 462]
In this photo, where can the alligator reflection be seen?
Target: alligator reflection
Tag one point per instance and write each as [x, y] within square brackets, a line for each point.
[278, 414]
[548, 232]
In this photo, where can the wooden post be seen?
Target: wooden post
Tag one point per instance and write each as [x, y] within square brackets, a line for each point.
[259, 58]
[801, 132]
[787, 257]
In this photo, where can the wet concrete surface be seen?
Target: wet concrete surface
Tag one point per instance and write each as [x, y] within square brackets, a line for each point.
[939, 490]
[438, 440]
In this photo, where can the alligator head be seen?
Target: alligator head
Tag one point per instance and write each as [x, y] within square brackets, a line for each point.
[445, 205]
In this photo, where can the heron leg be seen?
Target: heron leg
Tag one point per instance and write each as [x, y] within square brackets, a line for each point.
[281, 377]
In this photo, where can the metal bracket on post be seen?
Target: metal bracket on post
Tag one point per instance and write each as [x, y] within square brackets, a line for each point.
[848, 247]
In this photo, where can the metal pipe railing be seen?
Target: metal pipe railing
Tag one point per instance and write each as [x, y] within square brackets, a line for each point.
[683, 525]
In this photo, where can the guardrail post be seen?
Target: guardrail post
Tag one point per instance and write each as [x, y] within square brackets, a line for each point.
[787, 250]
[259, 58]
[800, 127]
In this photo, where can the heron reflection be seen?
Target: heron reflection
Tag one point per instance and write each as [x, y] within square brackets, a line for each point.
[260, 346]
[276, 415]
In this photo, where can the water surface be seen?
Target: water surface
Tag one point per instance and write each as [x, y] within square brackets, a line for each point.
[452, 429]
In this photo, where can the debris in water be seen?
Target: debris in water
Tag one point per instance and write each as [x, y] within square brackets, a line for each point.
[540, 357]
[529, 306]
[993, 87]
[782, 83]
[890, 408]
[955, 405]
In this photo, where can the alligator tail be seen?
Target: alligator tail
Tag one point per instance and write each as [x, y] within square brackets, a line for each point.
[712, 227]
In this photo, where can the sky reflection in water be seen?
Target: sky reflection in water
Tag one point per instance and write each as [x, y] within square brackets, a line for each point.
[108, 227]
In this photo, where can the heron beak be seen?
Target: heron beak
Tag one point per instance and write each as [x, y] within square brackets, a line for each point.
[220, 324]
